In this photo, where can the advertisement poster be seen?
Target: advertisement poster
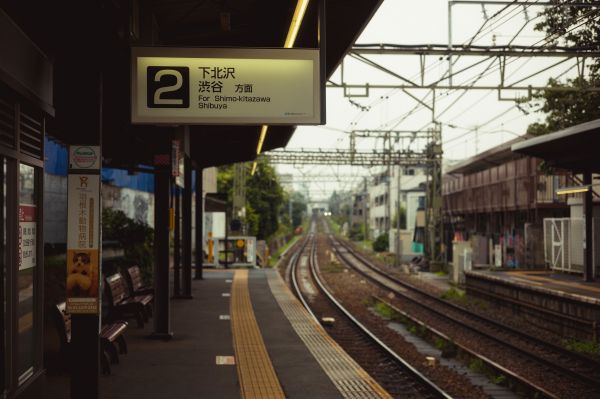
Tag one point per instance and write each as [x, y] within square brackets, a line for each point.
[27, 234]
[83, 215]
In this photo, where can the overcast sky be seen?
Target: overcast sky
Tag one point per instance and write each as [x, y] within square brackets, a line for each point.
[471, 122]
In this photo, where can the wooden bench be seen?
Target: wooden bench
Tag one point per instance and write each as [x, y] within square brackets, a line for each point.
[136, 284]
[122, 305]
[110, 334]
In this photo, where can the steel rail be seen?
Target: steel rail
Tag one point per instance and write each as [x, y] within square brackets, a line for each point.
[431, 387]
[537, 341]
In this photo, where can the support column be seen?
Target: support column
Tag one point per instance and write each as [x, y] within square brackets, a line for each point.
[199, 225]
[187, 230]
[79, 114]
[162, 317]
[588, 241]
[177, 243]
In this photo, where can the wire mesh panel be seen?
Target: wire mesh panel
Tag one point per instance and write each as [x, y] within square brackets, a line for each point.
[557, 243]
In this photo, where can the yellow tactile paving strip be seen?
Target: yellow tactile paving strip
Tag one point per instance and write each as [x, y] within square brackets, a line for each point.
[255, 370]
[349, 378]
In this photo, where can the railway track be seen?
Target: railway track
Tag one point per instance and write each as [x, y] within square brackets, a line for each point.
[557, 362]
[394, 374]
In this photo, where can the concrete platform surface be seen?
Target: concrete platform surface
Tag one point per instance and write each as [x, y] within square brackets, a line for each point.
[224, 343]
[561, 284]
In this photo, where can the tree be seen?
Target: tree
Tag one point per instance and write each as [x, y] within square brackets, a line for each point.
[382, 243]
[299, 208]
[578, 28]
[264, 198]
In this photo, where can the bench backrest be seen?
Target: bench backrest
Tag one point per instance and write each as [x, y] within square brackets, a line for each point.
[136, 277]
[64, 322]
[116, 288]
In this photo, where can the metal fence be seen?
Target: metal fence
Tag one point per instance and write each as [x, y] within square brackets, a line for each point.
[563, 244]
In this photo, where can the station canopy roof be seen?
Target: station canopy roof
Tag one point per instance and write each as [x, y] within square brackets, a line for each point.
[575, 148]
[54, 26]
[493, 157]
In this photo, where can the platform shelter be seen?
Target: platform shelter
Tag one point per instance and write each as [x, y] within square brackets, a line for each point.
[65, 72]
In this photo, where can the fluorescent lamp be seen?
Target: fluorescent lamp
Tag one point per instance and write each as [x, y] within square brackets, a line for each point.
[573, 190]
[261, 139]
[296, 22]
[299, 12]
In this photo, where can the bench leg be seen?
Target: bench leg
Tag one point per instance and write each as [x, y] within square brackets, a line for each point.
[139, 317]
[122, 344]
[104, 363]
[111, 349]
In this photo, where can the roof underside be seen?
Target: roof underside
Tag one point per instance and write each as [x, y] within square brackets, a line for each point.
[201, 23]
[575, 148]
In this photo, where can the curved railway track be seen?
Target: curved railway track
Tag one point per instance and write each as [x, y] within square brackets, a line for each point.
[394, 374]
[557, 362]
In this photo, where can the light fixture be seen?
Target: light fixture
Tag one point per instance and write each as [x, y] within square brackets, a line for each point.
[573, 190]
[296, 22]
[299, 12]
[261, 139]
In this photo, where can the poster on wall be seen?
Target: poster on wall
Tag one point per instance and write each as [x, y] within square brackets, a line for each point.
[83, 215]
[26, 240]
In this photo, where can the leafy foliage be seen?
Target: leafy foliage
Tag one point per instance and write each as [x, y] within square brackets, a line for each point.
[576, 27]
[402, 219]
[136, 238]
[382, 243]
[299, 208]
[264, 198]
[357, 232]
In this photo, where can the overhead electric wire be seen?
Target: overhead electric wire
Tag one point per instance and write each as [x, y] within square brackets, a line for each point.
[508, 62]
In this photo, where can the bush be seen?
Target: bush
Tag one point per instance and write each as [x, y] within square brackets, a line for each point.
[357, 232]
[136, 239]
[382, 243]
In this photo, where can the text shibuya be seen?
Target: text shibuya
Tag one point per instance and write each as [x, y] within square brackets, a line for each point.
[225, 99]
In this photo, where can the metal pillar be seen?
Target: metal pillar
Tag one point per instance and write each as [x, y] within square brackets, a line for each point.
[398, 225]
[79, 112]
[199, 225]
[186, 242]
[177, 243]
[588, 241]
[84, 116]
[162, 286]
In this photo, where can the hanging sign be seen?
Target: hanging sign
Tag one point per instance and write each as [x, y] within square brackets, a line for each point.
[225, 86]
[83, 232]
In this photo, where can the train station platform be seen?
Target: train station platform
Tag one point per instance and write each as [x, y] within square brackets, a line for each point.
[243, 335]
[562, 302]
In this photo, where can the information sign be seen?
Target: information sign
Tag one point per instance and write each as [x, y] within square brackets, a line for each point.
[225, 86]
[83, 216]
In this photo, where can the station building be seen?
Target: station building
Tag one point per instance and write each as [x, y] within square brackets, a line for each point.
[65, 77]
[495, 204]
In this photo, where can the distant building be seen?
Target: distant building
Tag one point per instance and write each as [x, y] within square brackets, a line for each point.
[496, 203]
[360, 212]
[406, 184]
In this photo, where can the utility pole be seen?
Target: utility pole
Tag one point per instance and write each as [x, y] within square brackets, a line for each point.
[388, 205]
[433, 209]
[398, 225]
[365, 207]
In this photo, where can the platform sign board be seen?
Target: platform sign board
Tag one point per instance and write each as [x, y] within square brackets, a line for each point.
[233, 86]
[83, 231]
